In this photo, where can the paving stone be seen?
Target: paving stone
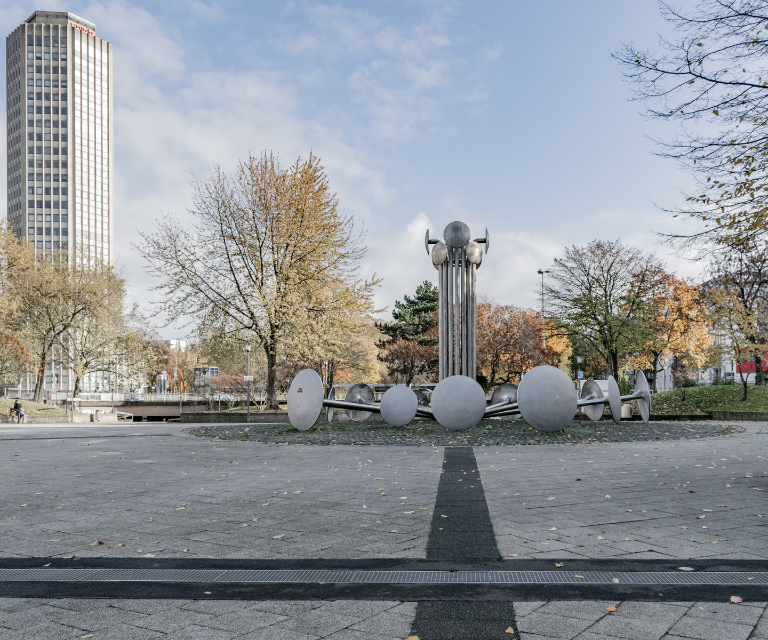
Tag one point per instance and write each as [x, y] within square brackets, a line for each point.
[553, 626]
[705, 629]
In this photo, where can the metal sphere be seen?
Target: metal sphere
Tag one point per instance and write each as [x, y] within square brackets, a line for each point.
[359, 393]
[475, 253]
[398, 406]
[505, 391]
[305, 399]
[547, 399]
[592, 390]
[439, 254]
[456, 234]
[458, 403]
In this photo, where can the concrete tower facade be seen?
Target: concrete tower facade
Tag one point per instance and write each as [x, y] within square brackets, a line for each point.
[60, 132]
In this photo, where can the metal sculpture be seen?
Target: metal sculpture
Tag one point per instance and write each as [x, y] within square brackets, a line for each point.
[545, 398]
[457, 260]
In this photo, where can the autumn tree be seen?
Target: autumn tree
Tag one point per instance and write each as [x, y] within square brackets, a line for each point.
[409, 344]
[596, 293]
[15, 360]
[737, 324]
[267, 254]
[711, 78]
[675, 324]
[742, 270]
[509, 343]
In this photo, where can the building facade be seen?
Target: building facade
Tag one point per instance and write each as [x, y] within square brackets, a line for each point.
[60, 152]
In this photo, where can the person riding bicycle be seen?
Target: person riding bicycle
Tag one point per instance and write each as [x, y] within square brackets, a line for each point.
[18, 411]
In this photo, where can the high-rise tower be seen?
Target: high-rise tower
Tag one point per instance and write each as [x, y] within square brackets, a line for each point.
[60, 156]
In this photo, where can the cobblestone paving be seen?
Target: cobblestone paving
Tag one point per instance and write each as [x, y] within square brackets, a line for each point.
[167, 494]
[487, 433]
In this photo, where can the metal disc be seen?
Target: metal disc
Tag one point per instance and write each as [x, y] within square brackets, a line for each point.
[305, 399]
[426, 241]
[644, 403]
[329, 410]
[458, 403]
[614, 399]
[398, 406]
[456, 234]
[359, 393]
[439, 254]
[504, 392]
[487, 240]
[547, 398]
[475, 253]
[592, 390]
[422, 398]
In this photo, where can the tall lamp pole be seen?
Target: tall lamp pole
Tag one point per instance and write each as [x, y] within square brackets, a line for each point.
[543, 335]
[248, 378]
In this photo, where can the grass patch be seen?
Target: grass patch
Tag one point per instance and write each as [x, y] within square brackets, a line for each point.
[718, 397]
[31, 408]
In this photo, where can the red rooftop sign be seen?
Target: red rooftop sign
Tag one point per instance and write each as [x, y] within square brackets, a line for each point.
[77, 26]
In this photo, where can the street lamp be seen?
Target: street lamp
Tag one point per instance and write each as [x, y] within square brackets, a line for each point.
[543, 337]
[248, 380]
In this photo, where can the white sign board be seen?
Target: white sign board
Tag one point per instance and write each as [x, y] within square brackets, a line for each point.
[248, 378]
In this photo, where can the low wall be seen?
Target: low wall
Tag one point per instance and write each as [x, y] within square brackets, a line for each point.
[231, 416]
[38, 419]
[754, 416]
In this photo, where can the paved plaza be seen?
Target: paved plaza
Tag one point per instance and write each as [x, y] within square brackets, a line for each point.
[143, 495]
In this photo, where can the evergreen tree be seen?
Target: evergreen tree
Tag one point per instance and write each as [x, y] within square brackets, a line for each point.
[415, 317]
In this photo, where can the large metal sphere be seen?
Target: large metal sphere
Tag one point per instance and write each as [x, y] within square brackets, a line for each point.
[592, 390]
[456, 234]
[644, 403]
[475, 253]
[504, 392]
[614, 399]
[547, 398]
[398, 406]
[458, 403]
[439, 254]
[359, 393]
[305, 399]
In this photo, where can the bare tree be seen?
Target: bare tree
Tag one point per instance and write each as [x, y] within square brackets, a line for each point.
[712, 79]
[269, 257]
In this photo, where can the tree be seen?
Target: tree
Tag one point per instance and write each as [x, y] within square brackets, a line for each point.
[742, 269]
[509, 343]
[737, 324]
[596, 292]
[675, 323]
[409, 348]
[712, 80]
[14, 359]
[268, 254]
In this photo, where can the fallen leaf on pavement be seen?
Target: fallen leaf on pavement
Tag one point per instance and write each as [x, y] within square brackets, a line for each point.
[553, 528]
[121, 545]
[558, 564]
[576, 575]
[616, 580]
[509, 630]
[686, 568]
[701, 517]
[282, 535]
[98, 542]
[600, 538]
[255, 520]
[736, 600]
[412, 638]
[148, 555]
[551, 498]
[611, 609]
[47, 565]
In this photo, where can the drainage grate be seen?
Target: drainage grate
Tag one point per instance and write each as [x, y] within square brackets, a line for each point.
[347, 576]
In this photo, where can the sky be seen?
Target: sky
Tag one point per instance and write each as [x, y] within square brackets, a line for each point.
[507, 115]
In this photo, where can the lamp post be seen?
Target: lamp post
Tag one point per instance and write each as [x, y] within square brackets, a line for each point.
[543, 336]
[248, 379]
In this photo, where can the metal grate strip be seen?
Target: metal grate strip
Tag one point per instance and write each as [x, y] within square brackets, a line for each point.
[347, 576]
